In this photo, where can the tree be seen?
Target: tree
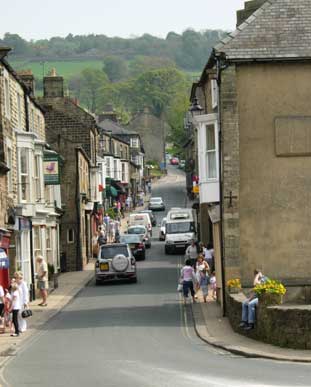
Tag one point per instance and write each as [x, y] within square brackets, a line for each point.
[116, 68]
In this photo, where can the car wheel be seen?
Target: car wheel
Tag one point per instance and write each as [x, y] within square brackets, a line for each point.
[143, 257]
[167, 251]
[133, 280]
[98, 282]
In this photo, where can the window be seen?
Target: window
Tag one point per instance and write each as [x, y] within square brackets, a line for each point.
[214, 92]
[211, 154]
[10, 173]
[113, 147]
[123, 172]
[134, 142]
[19, 111]
[121, 151]
[108, 167]
[48, 194]
[37, 245]
[115, 167]
[7, 101]
[37, 182]
[70, 235]
[24, 173]
[49, 253]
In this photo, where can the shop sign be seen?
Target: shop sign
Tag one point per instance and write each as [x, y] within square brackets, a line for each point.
[196, 189]
[51, 169]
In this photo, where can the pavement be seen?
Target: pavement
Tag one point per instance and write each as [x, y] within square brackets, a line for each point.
[69, 285]
[214, 329]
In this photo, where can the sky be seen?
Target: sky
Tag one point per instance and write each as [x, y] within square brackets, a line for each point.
[34, 19]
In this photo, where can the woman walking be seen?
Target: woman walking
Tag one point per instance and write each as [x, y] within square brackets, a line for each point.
[24, 295]
[188, 278]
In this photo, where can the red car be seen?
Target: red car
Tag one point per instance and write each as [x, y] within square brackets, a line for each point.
[174, 161]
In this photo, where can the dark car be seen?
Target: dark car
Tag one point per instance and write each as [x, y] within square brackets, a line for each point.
[115, 262]
[140, 230]
[136, 244]
[151, 214]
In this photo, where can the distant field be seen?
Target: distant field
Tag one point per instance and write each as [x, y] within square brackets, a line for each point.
[63, 68]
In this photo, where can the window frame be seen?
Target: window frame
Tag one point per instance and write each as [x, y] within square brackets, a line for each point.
[70, 240]
[214, 93]
[213, 151]
[22, 174]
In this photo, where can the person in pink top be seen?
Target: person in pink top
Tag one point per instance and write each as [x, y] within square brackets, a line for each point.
[188, 277]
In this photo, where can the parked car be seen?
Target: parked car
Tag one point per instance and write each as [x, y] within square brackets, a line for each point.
[156, 204]
[162, 231]
[115, 262]
[136, 244]
[182, 164]
[174, 161]
[151, 214]
[141, 220]
[141, 230]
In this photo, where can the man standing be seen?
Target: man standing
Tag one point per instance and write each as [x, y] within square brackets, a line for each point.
[43, 282]
[192, 252]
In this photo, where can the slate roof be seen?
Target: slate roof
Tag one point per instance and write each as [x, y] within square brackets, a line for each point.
[115, 128]
[279, 29]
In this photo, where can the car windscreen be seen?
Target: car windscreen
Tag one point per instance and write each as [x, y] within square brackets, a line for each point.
[136, 230]
[181, 227]
[111, 251]
[156, 200]
[134, 238]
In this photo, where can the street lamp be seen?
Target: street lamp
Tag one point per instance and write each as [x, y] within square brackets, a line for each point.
[196, 108]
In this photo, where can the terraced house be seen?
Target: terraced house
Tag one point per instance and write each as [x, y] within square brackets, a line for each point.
[29, 216]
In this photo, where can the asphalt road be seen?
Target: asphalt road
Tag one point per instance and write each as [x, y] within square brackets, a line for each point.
[138, 335]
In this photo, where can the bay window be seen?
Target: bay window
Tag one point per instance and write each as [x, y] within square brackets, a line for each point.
[24, 173]
[37, 180]
[211, 152]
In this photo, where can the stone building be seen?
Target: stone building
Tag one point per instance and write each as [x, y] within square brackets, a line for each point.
[263, 74]
[29, 203]
[73, 133]
[153, 131]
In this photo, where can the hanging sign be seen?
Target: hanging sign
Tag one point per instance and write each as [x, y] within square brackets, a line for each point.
[51, 169]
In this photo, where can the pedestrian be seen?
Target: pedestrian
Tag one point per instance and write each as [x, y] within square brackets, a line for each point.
[43, 282]
[149, 186]
[203, 283]
[1, 304]
[106, 220]
[192, 252]
[209, 256]
[15, 307]
[249, 305]
[213, 285]
[102, 238]
[111, 231]
[200, 265]
[7, 310]
[24, 293]
[188, 280]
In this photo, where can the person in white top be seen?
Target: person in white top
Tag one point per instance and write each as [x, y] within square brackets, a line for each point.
[192, 252]
[188, 278]
[15, 307]
[24, 293]
[43, 282]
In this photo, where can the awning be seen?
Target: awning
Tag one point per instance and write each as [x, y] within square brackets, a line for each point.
[118, 186]
[111, 191]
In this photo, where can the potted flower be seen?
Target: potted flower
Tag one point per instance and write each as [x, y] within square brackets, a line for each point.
[234, 285]
[271, 292]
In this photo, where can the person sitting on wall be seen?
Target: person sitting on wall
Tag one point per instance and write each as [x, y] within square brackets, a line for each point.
[249, 305]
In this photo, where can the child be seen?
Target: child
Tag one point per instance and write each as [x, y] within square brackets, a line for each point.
[7, 313]
[15, 307]
[204, 281]
[213, 285]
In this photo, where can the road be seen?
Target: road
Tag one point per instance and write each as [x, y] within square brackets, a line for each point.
[138, 335]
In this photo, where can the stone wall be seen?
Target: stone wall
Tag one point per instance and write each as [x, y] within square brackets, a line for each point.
[230, 172]
[285, 325]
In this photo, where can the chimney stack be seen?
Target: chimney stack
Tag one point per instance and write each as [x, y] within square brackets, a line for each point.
[249, 8]
[4, 52]
[108, 114]
[53, 85]
[28, 79]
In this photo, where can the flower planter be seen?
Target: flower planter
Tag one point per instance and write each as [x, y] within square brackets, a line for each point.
[234, 290]
[270, 299]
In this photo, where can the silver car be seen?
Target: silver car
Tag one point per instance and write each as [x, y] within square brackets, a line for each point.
[115, 262]
[156, 204]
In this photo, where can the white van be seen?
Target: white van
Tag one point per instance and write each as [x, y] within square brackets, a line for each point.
[180, 229]
[141, 219]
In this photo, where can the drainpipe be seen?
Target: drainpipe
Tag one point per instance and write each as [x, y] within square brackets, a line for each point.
[79, 250]
[219, 68]
[32, 265]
